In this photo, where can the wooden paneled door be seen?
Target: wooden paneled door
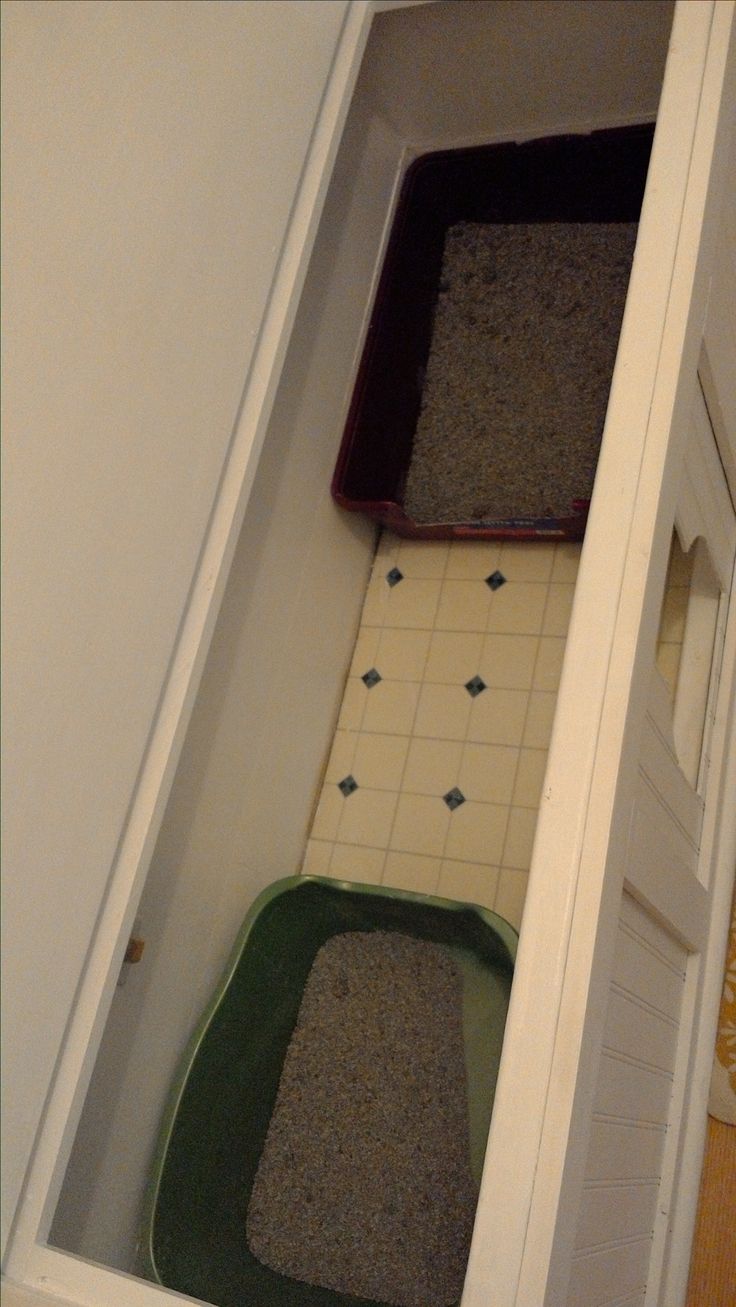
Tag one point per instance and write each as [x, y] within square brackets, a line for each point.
[627, 1181]
[588, 1197]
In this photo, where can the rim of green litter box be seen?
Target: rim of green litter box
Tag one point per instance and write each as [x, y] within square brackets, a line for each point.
[502, 928]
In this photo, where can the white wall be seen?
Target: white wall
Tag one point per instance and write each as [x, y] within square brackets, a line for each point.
[155, 172]
[251, 765]
[149, 175]
[241, 803]
[717, 370]
[520, 67]
[13, 1295]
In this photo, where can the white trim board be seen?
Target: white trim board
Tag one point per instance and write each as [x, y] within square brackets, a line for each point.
[516, 1224]
[164, 746]
[57, 1271]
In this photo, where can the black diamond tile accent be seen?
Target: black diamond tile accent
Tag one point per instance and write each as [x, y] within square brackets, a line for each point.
[348, 785]
[394, 576]
[475, 686]
[496, 580]
[371, 677]
[454, 798]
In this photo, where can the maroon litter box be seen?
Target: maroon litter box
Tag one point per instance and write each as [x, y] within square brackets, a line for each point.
[596, 178]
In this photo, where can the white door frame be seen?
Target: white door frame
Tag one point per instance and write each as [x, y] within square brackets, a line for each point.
[566, 946]
[661, 317]
[29, 1260]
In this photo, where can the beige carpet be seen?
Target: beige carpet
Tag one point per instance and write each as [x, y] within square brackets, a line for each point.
[713, 1263]
[722, 1102]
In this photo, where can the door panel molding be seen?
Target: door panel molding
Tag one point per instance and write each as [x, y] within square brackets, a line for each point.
[542, 1123]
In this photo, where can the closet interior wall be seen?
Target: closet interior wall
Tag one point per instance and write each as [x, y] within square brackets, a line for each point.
[433, 76]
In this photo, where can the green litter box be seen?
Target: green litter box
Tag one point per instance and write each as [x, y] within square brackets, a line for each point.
[220, 1106]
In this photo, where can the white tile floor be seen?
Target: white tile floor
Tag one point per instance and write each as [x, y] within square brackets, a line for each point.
[461, 709]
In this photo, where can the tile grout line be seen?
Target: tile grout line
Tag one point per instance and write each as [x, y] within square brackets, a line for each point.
[412, 736]
[503, 867]
[359, 729]
[443, 855]
[540, 634]
[389, 558]
[355, 732]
